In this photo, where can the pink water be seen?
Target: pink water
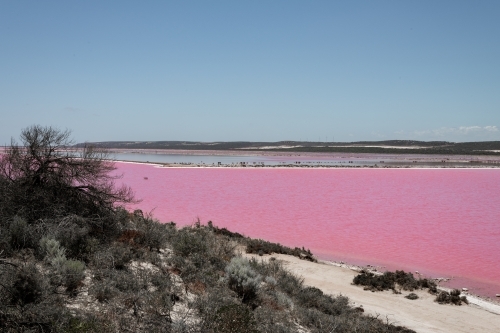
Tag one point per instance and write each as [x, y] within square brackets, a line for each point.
[442, 222]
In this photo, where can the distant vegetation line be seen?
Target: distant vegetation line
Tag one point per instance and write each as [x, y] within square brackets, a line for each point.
[376, 150]
[374, 147]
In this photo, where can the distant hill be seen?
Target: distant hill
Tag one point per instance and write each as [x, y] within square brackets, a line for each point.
[378, 147]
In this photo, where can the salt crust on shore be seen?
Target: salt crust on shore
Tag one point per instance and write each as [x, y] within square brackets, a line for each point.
[422, 315]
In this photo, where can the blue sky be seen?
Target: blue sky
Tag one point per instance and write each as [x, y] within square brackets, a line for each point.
[252, 70]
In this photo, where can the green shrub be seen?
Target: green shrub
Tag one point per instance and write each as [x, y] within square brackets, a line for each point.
[187, 243]
[19, 233]
[312, 297]
[51, 250]
[289, 283]
[282, 300]
[73, 274]
[69, 273]
[87, 324]
[103, 291]
[234, 318]
[275, 321]
[452, 297]
[120, 255]
[27, 286]
[312, 318]
[271, 282]
[154, 234]
[114, 256]
[242, 278]
[318, 322]
[5, 245]
[412, 296]
[213, 298]
[72, 233]
[224, 231]
[391, 280]
[161, 280]
[261, 247]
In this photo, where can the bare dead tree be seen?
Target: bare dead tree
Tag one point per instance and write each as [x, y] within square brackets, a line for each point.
[45, 177]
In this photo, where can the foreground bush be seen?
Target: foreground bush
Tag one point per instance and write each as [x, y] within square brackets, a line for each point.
[242, 278]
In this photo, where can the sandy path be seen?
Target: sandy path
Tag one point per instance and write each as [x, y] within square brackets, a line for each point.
[422, 315]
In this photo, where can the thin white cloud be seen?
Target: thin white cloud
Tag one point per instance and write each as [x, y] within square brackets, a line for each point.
[460, 133]
[378, 135]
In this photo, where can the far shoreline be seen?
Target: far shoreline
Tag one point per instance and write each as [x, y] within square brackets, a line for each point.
[302, 166]
[313, 160]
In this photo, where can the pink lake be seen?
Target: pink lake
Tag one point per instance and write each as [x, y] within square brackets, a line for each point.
[441, 222]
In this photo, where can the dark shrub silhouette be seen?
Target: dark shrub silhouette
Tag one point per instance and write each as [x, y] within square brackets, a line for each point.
[412, 296]
[452, 297]
[27, 287]
[45, 178]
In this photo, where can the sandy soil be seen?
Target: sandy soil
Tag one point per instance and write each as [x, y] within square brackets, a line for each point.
[422, 315]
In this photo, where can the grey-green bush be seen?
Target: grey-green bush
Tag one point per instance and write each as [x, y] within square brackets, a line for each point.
[73, 274]
[51, 250]
[242, 278]
[19, 233]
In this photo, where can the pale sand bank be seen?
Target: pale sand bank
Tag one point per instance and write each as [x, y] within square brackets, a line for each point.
[422, 315]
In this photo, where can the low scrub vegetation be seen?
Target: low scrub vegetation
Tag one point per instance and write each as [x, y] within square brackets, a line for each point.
[102, 268]
[412, 296]
[261, 247]
[395, 281]
[400, 280]
[451, 297]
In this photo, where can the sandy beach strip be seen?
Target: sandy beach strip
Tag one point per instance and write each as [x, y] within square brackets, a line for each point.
[422, 315]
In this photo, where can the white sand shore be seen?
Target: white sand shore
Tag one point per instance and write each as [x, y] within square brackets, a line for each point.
[422, 315]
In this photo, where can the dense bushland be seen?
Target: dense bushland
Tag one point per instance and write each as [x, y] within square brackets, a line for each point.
[72, 260]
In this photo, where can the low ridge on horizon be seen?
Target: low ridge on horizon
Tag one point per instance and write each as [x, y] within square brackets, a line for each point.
[385, 146]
